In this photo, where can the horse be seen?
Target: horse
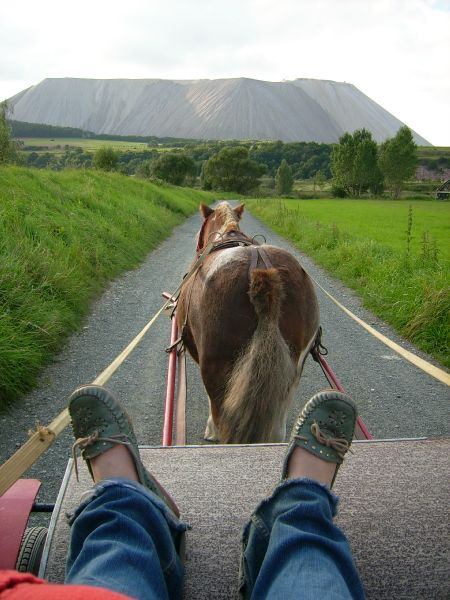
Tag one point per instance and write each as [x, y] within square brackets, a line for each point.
[248, 317]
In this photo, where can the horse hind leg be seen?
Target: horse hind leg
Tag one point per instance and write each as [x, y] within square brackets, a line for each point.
[214, 375]
[280, 425]
[211, 434]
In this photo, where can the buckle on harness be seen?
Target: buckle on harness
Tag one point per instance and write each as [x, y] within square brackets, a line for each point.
[318, 348]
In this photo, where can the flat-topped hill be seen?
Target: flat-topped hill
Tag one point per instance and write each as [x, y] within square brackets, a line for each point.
[241, 108]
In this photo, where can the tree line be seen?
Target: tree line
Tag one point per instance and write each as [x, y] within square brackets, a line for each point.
[357, 164]
[305, 159]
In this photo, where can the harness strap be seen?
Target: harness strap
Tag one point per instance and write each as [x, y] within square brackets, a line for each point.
[178, 343]
[257, 252]
[230, 244]
[253, 260]
[265, 258]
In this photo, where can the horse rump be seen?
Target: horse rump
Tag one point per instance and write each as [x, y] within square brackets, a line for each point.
[264, 375]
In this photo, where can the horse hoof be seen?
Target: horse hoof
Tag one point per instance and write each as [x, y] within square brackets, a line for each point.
[210, 438]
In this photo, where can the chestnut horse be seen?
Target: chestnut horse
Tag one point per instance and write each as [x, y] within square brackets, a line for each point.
[249, 317]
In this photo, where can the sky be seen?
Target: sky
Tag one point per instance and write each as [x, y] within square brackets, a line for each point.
[395, 51]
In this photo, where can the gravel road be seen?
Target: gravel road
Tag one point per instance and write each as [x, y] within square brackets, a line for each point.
[395, 398]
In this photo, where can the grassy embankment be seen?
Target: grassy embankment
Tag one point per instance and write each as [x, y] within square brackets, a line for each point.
[63, 235]
[397, 260]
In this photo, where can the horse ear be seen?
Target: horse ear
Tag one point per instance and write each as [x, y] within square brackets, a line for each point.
[205, 210]
[239, 210]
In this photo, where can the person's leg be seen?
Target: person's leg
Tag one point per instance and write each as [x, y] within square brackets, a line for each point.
[125, 535]
[291, 547]
[124, 539]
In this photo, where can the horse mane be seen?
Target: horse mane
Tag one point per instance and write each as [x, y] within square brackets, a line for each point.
[228, 217]
[230, 220]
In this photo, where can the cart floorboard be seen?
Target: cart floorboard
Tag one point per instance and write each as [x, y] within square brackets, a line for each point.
[393, 510]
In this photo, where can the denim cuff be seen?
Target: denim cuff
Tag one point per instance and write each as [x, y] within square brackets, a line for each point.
[283, 488]
[261, 521]
[133, 487]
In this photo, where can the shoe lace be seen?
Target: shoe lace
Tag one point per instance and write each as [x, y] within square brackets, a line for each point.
[84, 442]
[339, 444]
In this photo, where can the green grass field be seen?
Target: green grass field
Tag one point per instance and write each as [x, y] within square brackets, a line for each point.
[307, 185]
[383, 221]
[433, 152]
[63, 235]
[402, 277]
[88, 145]
[412, 189]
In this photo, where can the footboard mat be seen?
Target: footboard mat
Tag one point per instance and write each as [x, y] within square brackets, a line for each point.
[393, 509]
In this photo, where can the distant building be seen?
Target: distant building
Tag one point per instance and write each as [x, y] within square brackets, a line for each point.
[443, 191]
[423, 173]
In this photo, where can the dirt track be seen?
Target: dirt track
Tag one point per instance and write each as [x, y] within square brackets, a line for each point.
[395, 399]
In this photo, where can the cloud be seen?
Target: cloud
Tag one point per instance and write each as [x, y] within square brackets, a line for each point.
[396, 51]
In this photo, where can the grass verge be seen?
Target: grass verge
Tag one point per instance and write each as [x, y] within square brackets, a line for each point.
[63, 235]
[394, 256]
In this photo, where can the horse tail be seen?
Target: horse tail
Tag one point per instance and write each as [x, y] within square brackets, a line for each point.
[263, 377]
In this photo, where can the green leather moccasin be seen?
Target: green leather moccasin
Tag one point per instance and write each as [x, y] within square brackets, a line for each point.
[325, 427]
[100, 422]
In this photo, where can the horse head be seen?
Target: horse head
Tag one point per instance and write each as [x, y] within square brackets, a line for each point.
[221, 220]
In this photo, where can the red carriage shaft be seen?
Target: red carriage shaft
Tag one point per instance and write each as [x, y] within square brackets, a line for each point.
[337, 385]
[170, 387]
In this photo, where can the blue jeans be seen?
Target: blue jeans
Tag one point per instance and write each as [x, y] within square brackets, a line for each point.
[125, 539]
[292, 549]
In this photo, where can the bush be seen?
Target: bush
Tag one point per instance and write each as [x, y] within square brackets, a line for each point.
[173, 167]
[232, 170]
[338, 192]
[106, 159]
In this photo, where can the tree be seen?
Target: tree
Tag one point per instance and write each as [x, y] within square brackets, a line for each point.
[398, 160]
[106, 159]
[8, 147]
[318, 179]
[173, 167]
[283, 179]
[232, 170]
[354, 163]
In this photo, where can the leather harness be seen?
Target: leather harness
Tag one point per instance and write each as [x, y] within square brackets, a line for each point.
[237, 239]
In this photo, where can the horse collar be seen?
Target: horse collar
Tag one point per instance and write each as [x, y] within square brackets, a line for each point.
[236, 238]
